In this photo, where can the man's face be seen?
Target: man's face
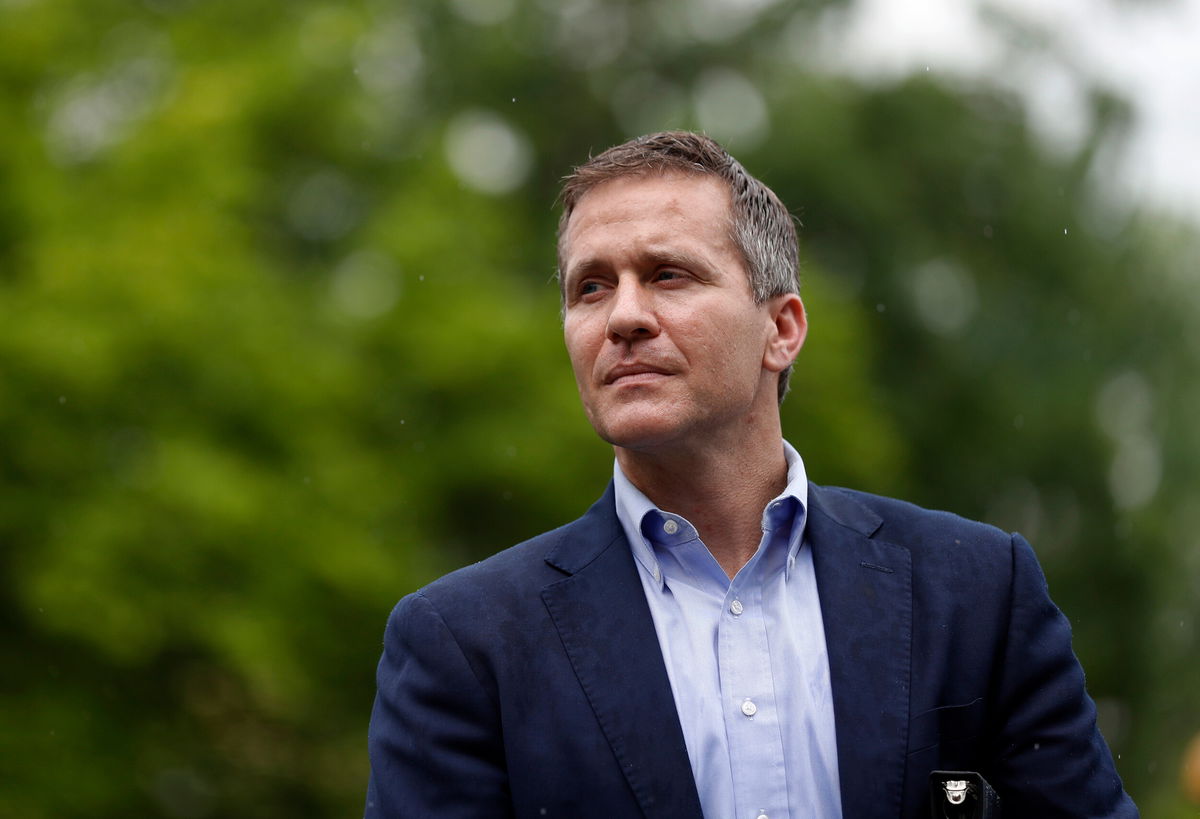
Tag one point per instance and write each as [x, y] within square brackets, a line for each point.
[665, 339]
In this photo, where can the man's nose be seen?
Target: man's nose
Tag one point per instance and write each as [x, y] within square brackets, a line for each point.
[632, 315]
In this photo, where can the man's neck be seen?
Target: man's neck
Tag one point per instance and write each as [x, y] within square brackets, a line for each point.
[722, 491]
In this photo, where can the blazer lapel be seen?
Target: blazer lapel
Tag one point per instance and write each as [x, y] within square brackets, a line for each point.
[605, 625]
[865, 588]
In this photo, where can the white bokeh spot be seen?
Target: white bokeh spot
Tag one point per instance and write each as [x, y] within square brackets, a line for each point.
[365, 285]
[1125, 413]
[487, 153]
[730, 109]
[944, 296]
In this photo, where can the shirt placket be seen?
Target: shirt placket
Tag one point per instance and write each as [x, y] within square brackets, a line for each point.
[749, 703]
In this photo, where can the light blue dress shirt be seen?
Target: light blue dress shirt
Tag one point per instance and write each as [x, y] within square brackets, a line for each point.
[746, 658]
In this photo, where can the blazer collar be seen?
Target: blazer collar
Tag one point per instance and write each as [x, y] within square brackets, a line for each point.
[840, 507]
[579, 543]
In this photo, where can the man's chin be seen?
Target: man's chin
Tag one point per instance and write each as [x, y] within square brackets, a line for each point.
[640, 435]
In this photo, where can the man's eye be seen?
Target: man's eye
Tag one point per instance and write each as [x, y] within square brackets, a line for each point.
[588, 289]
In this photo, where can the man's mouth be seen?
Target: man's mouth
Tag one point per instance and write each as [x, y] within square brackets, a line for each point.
[634, 374]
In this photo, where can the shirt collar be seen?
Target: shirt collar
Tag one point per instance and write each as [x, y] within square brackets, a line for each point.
[633, 507]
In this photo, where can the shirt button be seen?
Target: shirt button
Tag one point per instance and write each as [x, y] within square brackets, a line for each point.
[736, 607]
[670, 527]
[749, 708]
[761, 816]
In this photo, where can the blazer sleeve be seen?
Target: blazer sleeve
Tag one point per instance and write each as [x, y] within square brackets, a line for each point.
[435, 741]
[1052, 761]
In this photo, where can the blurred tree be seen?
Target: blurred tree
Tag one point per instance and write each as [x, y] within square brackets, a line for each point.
[279, 343]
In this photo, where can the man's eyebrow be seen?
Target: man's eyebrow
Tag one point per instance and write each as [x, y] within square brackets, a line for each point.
[653, 255]
[680, 258]
[584, 268]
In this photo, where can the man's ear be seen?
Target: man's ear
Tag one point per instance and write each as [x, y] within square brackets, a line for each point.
[789, 326]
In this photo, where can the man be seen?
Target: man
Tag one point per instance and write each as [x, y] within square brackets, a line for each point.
[717, 636]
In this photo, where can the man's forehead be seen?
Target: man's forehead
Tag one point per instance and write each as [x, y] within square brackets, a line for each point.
[672, 194]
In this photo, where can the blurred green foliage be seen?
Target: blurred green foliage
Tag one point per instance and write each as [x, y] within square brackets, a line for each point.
[279, 343]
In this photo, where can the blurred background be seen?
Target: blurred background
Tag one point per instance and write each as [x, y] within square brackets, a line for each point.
[279, 340]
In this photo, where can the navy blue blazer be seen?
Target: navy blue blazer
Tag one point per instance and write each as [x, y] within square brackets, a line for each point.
[531, 684]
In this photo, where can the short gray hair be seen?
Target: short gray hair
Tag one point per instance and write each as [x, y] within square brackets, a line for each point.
[762, 229]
